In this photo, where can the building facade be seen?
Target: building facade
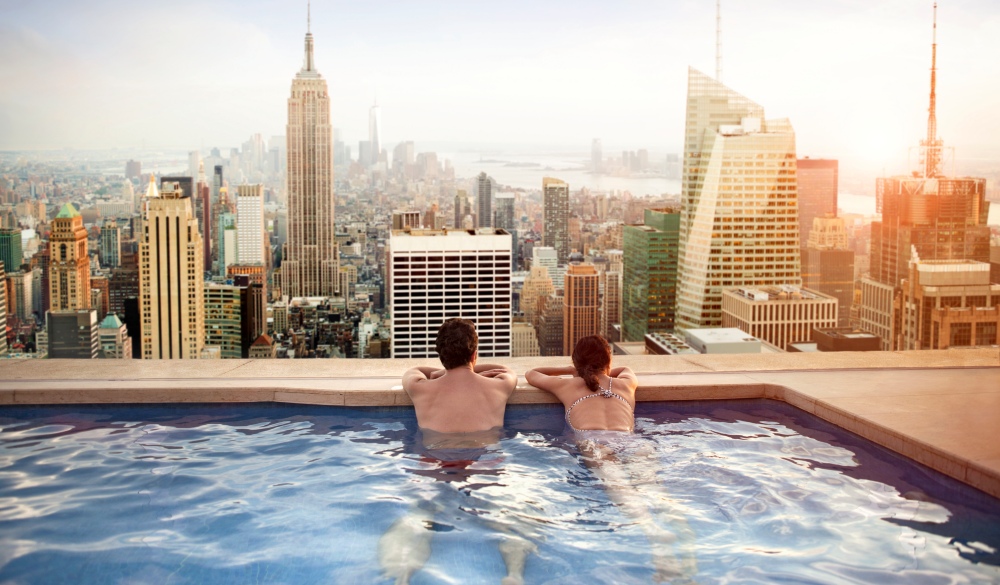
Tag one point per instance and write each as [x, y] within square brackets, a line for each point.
[309, 260]
[818, 183]
[778, 315]
[650, 274]
[114, 339]
[251, 243]
[435, 275]
[739, 215]
[555, 208]
[69, 262]
[485, 186]
[581, 305]
[171, 278]
[73, 334]
[949, 303]
[110, 245]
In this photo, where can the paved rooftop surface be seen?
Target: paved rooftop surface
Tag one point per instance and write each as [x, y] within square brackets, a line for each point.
[941, 408]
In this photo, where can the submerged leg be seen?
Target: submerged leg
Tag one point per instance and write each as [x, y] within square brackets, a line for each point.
[406, 545]
[515, 551]
[631, 485]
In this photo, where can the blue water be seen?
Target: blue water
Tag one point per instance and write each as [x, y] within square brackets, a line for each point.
[753, 491]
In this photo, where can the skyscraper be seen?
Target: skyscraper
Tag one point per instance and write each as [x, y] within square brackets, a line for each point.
[461, 208]
[485, 186]
[581, 305]
[374, 134]
[828, 264]
[649, 281]
[171, 282]
[596, 156]
[435, 275]
[926, 215]
[69, 263]
[309, 260]
[555, 207]
[3, 310]
[10, 249]
[817, 183]
[250, 224]
[110, 245]
[739, 218]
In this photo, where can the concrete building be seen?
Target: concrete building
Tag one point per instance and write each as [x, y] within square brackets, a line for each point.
[110, 245]
[263, 348]
[650, 274]
[114, 339]
[581, 305]
[778, 315]
[435, 275]
[524, 339]
[485, 187]
[818, 183]
[828, 265]
[402, 220]
[611, 304]
[722, 340]
[550, 325]
[739, 214]
[548, 257]
[666, 344]
[73, 334]
[223, 309]
[69, 262]
[461, 208]
[949, 303]
[20, 297]
[537, 285]
[251, 242]
[309, 260]
[227, 247]
[555, 207]
[3, 310]
[171, 282]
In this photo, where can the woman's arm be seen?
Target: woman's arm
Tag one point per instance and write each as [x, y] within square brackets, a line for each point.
[624, 373]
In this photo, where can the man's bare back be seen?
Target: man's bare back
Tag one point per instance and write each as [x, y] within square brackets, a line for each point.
[464, 399]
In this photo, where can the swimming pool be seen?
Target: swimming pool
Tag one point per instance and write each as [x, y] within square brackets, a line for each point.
[754, 492]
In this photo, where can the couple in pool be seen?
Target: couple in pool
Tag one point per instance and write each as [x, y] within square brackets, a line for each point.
[460, 410]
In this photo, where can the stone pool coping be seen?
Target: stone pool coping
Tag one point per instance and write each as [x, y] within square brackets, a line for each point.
[940, 408]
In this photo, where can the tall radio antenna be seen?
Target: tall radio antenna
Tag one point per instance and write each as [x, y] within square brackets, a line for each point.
[932, 146]
[718, 40]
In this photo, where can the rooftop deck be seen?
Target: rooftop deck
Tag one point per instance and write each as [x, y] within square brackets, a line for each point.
[941, 408]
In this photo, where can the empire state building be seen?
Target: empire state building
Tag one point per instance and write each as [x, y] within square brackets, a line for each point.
[309, 259]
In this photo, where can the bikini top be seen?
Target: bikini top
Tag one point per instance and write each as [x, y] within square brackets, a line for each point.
[603, 393]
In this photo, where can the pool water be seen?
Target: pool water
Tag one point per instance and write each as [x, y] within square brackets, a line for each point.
[747, 492]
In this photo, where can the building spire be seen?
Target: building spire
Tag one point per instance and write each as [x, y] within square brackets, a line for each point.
[932, 146]
[718, 40]
[308, 65]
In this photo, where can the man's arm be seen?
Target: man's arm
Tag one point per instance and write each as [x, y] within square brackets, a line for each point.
[499, 372]
[419, 374]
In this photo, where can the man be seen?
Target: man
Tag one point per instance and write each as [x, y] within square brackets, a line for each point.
[464, 397]
[460, 414]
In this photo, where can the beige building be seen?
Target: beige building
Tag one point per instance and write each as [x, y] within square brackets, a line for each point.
[537, 285]
[69, 263]
[115, 342]
[310, 263]
[611, 302]
[171, 278]
[778, 315]
[949, 303]
[739, 210]
[581, 305]
[524, 339]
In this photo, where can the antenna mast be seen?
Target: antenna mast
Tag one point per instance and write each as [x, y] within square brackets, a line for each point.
[932, 146]
[718, 40]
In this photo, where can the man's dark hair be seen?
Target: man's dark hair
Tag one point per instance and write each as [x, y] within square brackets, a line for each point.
[456, 343]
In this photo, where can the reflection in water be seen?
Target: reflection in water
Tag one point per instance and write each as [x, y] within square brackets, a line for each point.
[735, 492]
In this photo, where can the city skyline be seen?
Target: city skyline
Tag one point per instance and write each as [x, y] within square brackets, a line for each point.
[623, 66]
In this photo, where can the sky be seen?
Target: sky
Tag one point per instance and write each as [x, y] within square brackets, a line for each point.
[851, 75]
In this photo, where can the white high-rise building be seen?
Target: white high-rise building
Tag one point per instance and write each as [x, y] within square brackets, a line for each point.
[250, 224]
[310, 265]
[548, 257]
[435, 275]
[739, 214]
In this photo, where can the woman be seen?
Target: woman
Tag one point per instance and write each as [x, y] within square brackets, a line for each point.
[596, 398]
[600, 408]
